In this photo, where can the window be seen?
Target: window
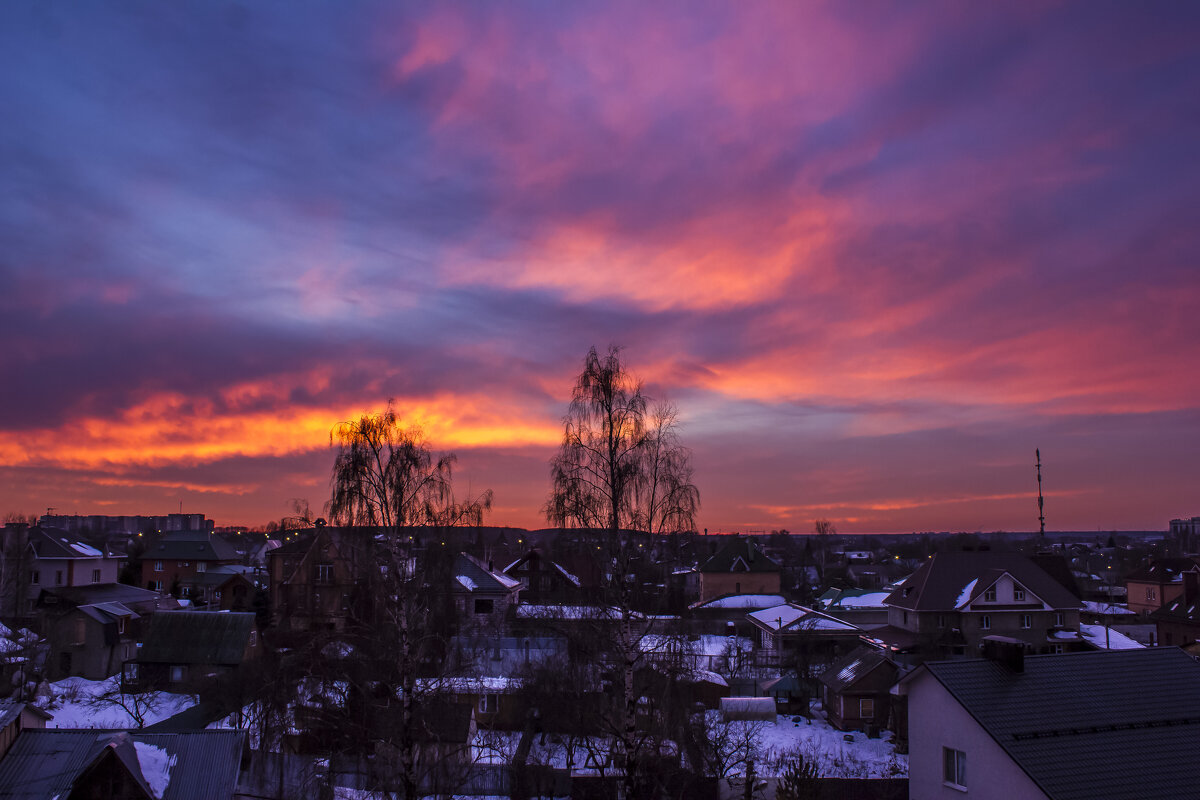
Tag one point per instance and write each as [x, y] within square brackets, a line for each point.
[178, 674]
[131, 672]
[1018, 593]
[120, 624]
[187, 591]
[58, 578]
[985, 622]
[954, 767]
[905, 617]
[941, 620]
[95, 576]
[1057, 649]
[484, 606]
[990, 595]
[1058, 619]
[183, 563]
[1026, 621]
[80, 632]
[201, 566]
[324, 573]
[866, 708]
[488, 703]
[1151, 593]
[35, 577]
[155, 586]
[158, 566]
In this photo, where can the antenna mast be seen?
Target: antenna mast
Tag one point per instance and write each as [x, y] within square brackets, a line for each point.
[1041, 512]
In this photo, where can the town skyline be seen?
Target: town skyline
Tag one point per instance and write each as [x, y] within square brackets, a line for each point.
[876, 256]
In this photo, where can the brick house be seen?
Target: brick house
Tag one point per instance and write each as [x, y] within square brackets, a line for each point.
[1177, 623]
[1153, 586]
[174, 561]
[738, 567]
[312, 579]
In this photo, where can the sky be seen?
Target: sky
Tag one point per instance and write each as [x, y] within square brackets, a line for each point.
[875, 253]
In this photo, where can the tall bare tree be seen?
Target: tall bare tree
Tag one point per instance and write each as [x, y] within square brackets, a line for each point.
[620, 464]
[385, 475]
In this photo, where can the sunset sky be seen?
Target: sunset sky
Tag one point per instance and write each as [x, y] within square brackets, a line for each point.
[876, 253]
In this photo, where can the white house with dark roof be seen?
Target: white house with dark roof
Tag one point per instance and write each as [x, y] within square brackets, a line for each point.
[1078, 726]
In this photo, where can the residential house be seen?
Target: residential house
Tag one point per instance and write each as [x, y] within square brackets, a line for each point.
[482, 595]
[59, 559]
[1178, 621]
[226, 587]
[739, 566]
[102, 765]
[854, 690]
[862, 607]
[954, 600]
[312, 580]
[183, 649]
[543, 580]
[173, 563]
[809, 640]
[92, 630]
[1156, 584]
[1077, 726]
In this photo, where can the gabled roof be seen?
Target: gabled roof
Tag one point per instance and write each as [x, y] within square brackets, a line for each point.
[199, 765]
[1113, 724]
[1181, 609]
[197, 637]
[471, 576]
[791, 618]
[854, 666]
[739, 555]
[941, 583]
[106, 613]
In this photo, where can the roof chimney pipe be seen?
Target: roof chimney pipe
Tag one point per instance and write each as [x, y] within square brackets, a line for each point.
[1005, 651]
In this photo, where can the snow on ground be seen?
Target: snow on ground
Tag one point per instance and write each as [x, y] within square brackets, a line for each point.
[156, 766]
[836, 757]
[71, 699]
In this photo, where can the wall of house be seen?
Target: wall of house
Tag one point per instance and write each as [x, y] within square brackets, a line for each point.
[1177, 634]
[715, 584]
[936, 720]
[1141, 602]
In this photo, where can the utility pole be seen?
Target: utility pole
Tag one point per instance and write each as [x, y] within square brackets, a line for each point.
[1041, 512]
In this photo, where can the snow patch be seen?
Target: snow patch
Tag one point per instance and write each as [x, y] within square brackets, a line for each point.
[83, 549]
[467, 583]
[965, 594]
[156, 767]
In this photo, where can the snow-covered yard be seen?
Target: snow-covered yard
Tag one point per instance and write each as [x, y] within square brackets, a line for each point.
[837, 758]
[73, 704]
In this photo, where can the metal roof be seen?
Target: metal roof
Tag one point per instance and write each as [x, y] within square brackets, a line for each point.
[1113, 724]
[197, 637]
[45, 763]
[939, 584]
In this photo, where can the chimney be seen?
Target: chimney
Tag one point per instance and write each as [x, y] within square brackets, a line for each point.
[1005, 651]
[1191, 587]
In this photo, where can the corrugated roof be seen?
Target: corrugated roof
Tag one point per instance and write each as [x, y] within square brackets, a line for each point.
[939, 583]
[45, 763]
[197, 637]
[97, 593]
[852, 667]
[1114, 724]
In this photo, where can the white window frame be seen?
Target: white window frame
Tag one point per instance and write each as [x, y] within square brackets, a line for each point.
[1059, 620]
[989, 595]
[1026, 621]
[985, 622]
[95, 576]
[489, 703]
[866, 708]
[158, 566]
[1018, 593]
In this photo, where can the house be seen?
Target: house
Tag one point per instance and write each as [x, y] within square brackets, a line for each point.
[78, 764]
[1178, 621]
[854, 690]
[739, 566]
[58, 559]
[92, 630]
[1153, 586]
[312, 580]
[954, 600]
[1076, 726]
[172, 563]
[792, 634]
[482, 595]
[16, 717]
[225, 587]
[184, 648]
[543, 580]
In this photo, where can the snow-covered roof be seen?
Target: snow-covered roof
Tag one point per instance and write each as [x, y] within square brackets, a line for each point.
[1092, 607]
[466, 582]
[566, 574]
[740, 601]
[790, 617]
[964, 596]
[1115, 640]
[868, 600]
